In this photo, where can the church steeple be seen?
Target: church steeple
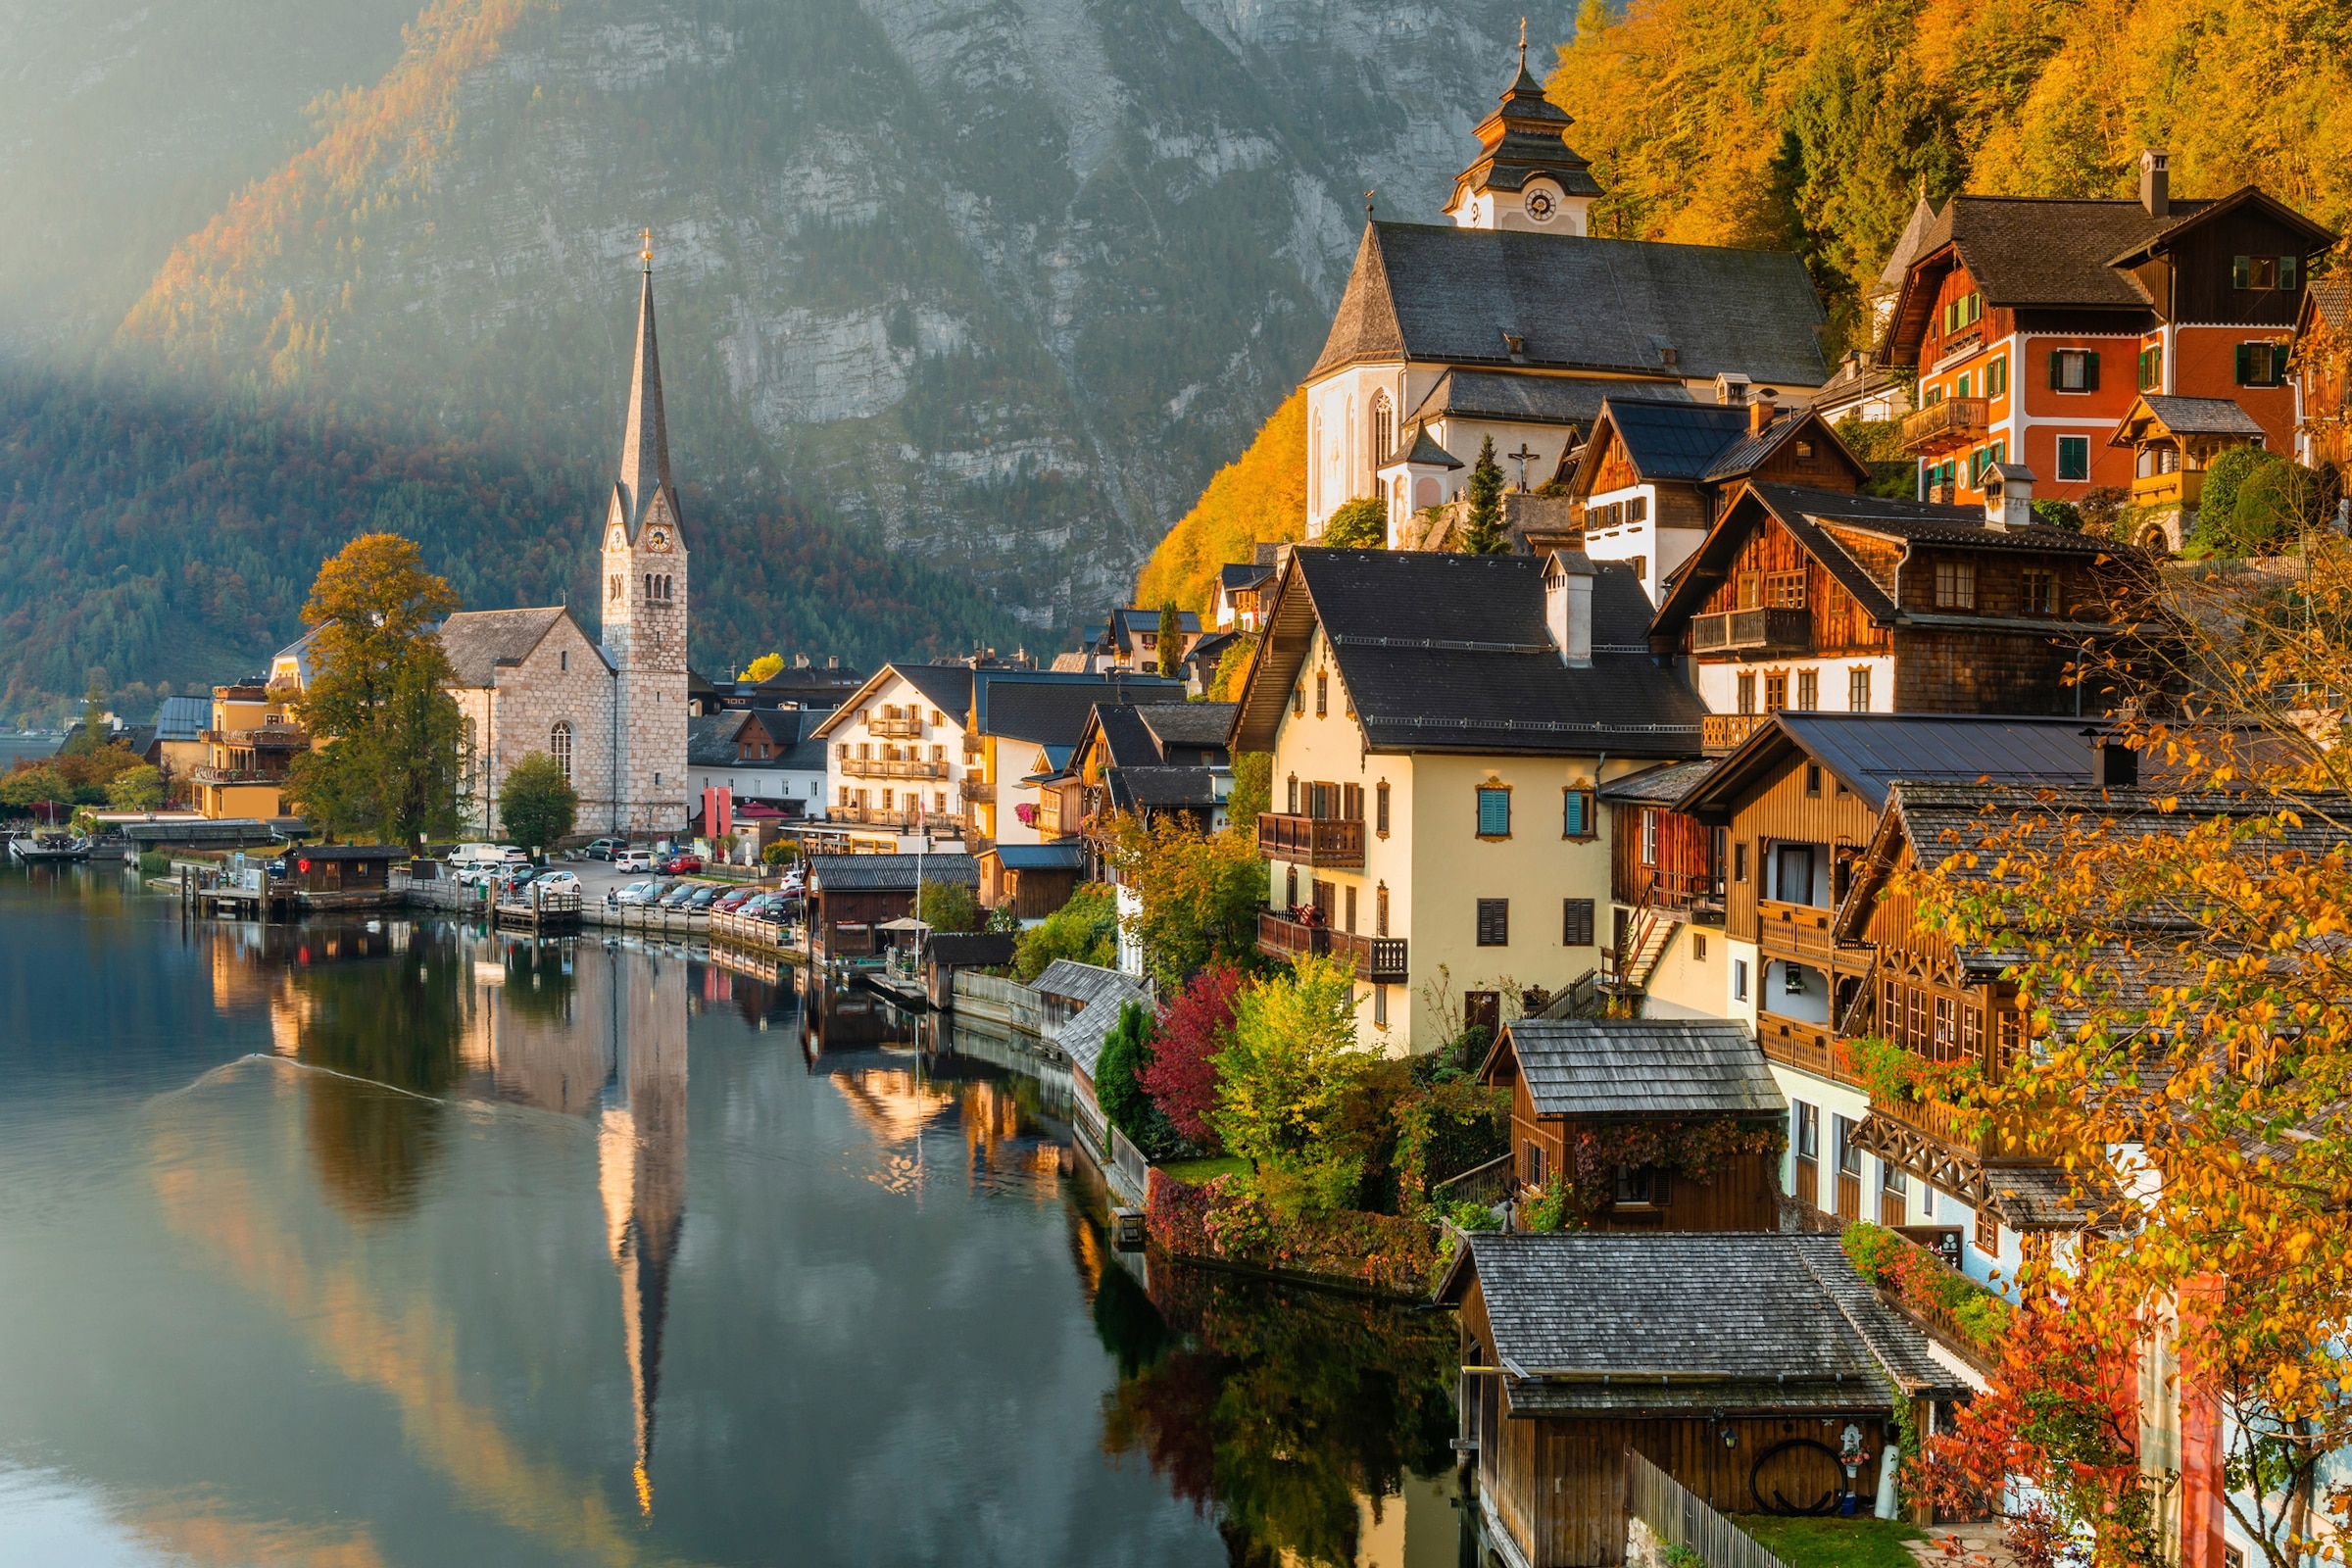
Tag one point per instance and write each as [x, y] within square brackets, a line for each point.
[1526, 177]
[645, 438]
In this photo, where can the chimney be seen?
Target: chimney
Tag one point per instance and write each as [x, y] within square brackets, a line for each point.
[832, 662]
[2113, 764]
[2156, 181]
[1759, 413]
[2008, 496]
[1568, 606]
[1730, 388]
[800, 660]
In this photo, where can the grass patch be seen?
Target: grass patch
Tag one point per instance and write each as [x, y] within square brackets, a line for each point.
[1194, 1172]
[1833, 1542]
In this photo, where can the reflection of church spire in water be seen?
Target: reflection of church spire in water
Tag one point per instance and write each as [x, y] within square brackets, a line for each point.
[640, 1170]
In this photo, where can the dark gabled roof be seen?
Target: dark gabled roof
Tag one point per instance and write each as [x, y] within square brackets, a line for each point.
[1421, 450]
[1129, 620]
[1725, 1322]
[1051, 708]
[1521, 397]
[1427, 292]
[182, 718]
[1069, 855]
[1239, 577]
[1126, 739]
[1672, 441]
[1188, 724]
[1450, 653]
[2186, 417]
[1749, 452]
[1609, 1067]
[1816, 520]
[888, 873]
[479, 640]
[1663, 785]
[1869, 752]
[969, 949]
[1162, 788]
[2195, 214]
[711, 737]
[946, 687]
[135, 738]
[2327, 300]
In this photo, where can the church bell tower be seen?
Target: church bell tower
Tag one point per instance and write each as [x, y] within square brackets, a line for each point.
[645, 601]
[1526, 177]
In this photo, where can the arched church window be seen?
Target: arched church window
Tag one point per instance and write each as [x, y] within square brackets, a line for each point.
[1384, 427]
[616, 585]
[558, 745]
[1314, 460]
[1347, 475]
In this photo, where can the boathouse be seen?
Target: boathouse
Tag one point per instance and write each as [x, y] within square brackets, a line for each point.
[336, 876]
[1748, 1367]
[850, 894]
[1661, 1124]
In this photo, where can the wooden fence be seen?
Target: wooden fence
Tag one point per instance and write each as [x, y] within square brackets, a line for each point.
[1001, 1001]
[1489, 1184]
[1676, 1518]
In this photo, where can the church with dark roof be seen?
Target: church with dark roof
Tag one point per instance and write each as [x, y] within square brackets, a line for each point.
[610, 708]
[1515, 320]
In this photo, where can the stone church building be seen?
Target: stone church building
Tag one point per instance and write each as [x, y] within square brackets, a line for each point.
[613, 711]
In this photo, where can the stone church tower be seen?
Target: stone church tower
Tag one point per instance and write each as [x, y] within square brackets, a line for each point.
[645, 601]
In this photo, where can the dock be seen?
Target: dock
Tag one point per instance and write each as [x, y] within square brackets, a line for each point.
[538, 913]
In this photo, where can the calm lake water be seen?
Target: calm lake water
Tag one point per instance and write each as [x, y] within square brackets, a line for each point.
[351, 1247]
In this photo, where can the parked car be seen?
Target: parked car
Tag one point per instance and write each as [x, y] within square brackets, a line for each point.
[733, 899]
[679, 862]
[677, 894]
[633, 861]
[513, 854]
[633, 894]
[473, 856]
[699, 902]
[795, 883]
[546, 882]
[606, 848]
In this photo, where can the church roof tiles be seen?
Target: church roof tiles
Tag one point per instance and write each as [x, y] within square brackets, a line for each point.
[479, 640]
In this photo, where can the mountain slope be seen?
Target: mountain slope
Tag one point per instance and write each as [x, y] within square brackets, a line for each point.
[1259, 497]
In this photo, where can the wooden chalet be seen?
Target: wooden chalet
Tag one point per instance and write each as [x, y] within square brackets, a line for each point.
[1655, 475]
[1823, 600]
[1736, 1363]
[2323, 376]
[1666, 871]
[850, 894]
[1797, 807]
[1035, 879]
[332, 876]
[2173, 442]
[1570, 1078]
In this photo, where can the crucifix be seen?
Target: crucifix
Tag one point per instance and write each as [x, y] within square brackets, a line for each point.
[1522, 43]
[1524, 453]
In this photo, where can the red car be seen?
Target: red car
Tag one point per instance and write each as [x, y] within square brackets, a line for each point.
[678, 865]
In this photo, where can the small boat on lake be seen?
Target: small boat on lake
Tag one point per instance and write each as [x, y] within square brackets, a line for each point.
[38, 851]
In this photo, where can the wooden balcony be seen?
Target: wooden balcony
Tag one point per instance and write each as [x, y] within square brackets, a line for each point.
[1774, 630]
[978, 789]
[899, 729]
[892, 768]
[1310, 840]
[1969, 1132]
[1380, 960]
[268, 737]
[1942, 426]
[1795, 1043]
[1726, 732]
[1797, 931]
[2182, 487]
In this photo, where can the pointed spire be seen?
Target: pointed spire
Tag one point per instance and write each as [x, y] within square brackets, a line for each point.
[645, 438]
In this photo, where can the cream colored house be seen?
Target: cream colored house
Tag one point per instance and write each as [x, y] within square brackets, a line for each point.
[898, 758]
[1440, 726]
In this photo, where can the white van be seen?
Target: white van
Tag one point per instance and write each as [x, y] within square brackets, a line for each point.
[633, 861]
[473, 856]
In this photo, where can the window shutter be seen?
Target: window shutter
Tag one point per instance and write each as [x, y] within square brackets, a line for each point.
[1572, 814]
[2287, 272]
[1494, 814]
[2057, 370]
[2245, 364]
[2241, 272]
[2090, 372]
[1576, 922]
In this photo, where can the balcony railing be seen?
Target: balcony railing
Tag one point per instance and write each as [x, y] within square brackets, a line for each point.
[1726, 732]
[1310, 840]
[906, 729]
[235, 775]
[1795, 931]
[1798, 1044]
[1775, 629]
[979, 789]
[876, 817]
[1954, 422]
[2182, 487]
[1380, 960]
[271, 737]
[1968, 1131]
[892, 768]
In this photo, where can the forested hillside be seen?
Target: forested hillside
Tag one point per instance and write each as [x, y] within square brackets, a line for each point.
[157, 539]
[1259, 495]
[1812, 125]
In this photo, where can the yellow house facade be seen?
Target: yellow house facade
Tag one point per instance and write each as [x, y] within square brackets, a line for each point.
[1440, 727]
[251, 738]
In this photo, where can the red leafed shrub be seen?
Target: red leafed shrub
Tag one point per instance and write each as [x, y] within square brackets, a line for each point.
[1197, 1024]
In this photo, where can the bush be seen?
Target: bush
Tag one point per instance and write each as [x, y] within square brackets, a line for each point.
[2254, 502]
[1922, 1281]
[949, 906]
[2058, 514]
[1284, 1084]
[1194, 1027]
[784, 851]
[1200, 896]
[1225, 1218]
[1361, 525]
[137, 789]
[1085, 930]
[537, 803]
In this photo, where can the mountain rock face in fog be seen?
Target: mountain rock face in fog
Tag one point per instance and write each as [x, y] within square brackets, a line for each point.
[996, 281]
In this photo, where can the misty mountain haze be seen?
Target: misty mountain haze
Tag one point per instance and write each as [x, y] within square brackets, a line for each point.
[991, 287]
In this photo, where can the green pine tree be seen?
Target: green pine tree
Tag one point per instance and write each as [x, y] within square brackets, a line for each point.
[1483, 534]
[1171, 639]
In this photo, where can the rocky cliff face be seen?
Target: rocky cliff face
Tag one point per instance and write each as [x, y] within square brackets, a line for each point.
[998, 281]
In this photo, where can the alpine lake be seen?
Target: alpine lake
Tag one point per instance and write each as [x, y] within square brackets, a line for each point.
[400, 1241]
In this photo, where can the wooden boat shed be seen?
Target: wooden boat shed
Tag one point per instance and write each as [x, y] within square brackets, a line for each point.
[850, 894]
[1736, 1363]
[1570, 1077]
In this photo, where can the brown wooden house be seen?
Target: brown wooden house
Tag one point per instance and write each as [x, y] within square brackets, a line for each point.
[1666, 872]
[848, 894]
[2322, 373]
[1824, 600]
[1735, 1363]
[340, 875]
[1578, 1079]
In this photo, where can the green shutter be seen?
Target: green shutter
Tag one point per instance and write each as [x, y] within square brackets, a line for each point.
[2090, 372]
[2245, 364]
[1572, 814]
[2241, 272]
[2287, 272]
[1493, 813]
[2057, 370]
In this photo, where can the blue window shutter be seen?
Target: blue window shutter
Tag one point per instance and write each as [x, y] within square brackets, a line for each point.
[1572, 814]
[1493, 813]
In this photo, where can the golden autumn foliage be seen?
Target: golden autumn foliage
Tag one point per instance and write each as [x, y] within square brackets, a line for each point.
[1259, 497]
[375, 146]
[1812, 125]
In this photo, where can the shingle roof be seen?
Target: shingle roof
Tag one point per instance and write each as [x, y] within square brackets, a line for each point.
[1747, 452]
[1522, 398]
[947, 687]
[888, 873]
[1083, 982]
[135, 738]
[2201, 415]
[1129, 620]
[2331, 298]
[1640, 1068]
[1663, 785]
[1722, 1322]
[1422, 450]
[1099, 994]
[1907, 248]
[1870, 751]
[1052, 709]
[1188, 724]
[182, 718]
[1239, 575]
[2034, 250]
[711, 737]
[477, 641]
[1067, 856]
[1675, 440]
[1439, 293]
[1162, 788]
[1126, 738]
[1450, 653]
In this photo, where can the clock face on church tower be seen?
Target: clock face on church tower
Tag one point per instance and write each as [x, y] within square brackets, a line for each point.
[1541, 205]
[657, 541]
